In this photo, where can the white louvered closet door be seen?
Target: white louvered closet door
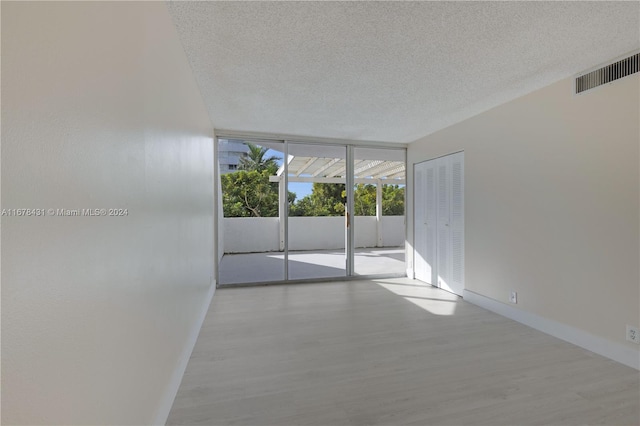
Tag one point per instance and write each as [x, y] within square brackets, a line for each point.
[420, 235]
[439, 222]
[425, 222]
[444, 229]
[456, 223]
[431, 222]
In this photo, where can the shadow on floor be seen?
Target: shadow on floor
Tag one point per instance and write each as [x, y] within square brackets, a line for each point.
[269, 266]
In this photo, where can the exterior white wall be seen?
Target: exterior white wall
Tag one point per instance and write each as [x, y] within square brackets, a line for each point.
[316, 233]
[552, 204]
[392, 231]
[251, 234]
[100, 110]
[365, 231]
[261, 234]
[393, 234]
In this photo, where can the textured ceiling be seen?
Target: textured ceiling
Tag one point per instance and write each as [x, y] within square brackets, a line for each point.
[387, 71]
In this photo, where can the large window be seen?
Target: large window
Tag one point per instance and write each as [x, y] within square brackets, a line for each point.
[284, 211]
[378, 206]
[249, 237]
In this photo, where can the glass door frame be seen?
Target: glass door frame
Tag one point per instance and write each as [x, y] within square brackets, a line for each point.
[284, 215]
[349, 213]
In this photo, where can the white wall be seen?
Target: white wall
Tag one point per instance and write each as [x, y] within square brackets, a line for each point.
[551, 204]
[251, 234]
[316, 233]
[393, 231]
[261, 234]
[365, 231]
[100, 110]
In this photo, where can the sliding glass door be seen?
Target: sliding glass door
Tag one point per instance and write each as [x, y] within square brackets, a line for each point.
[292, 211]
[249, 217]
[317, 211]
[378, 211]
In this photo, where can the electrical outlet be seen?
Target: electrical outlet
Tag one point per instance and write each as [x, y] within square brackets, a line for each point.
[513, 297]
[633, 334]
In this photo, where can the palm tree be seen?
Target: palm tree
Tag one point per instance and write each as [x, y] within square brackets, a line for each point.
[255, 159]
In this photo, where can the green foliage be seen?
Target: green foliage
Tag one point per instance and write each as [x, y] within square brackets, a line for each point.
[392, 200]
[364, 200]
[326, 199]
[249, 194]
[255, 160]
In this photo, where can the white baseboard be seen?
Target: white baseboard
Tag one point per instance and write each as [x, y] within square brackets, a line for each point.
[588, 341]
[176, 378]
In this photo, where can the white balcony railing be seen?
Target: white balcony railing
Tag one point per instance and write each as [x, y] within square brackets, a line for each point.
[262, 234]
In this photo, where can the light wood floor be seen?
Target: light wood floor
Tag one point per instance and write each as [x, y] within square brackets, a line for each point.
[389, 352]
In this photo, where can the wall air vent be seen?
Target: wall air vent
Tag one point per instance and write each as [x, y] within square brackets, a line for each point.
[608, 73]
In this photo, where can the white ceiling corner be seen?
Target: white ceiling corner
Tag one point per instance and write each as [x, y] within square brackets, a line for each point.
[387, 71]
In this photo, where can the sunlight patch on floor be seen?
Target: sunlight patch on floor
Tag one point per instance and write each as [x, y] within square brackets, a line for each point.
[429, 298]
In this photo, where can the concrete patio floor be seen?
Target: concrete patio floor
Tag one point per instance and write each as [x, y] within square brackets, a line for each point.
[269, 266]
